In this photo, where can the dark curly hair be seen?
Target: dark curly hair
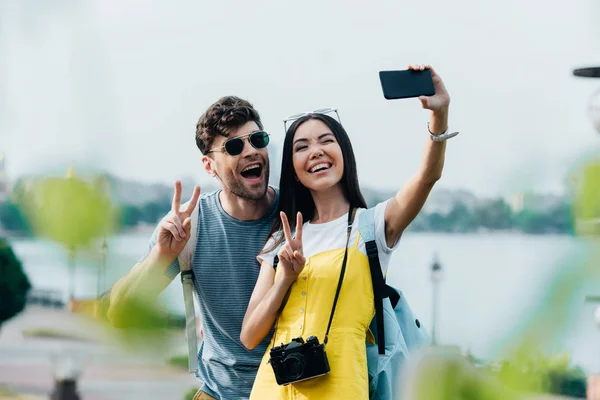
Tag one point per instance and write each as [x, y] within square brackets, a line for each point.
[225, 115]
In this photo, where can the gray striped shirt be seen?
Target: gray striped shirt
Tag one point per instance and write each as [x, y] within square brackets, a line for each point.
[225, 272]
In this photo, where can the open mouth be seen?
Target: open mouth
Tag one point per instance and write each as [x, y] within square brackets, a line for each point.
[252, 171]
[320, 167]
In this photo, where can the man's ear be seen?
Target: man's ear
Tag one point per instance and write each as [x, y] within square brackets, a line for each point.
[208, 166]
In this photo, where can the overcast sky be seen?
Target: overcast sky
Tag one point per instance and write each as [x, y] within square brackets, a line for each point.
[119, 85]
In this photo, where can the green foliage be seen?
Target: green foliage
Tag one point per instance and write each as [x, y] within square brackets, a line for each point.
[145, 324]
[444, 374]
[496, 215]
[130, 215]
[587, 205]
[14, 284]
[180, 361]
[148, 213]
[190, 395]
[493, 215]
[559, 219]
[52, 333]
[13, 218]
[69, 210]
[533, 372]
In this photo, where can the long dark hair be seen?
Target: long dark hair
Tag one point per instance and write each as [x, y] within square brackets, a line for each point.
[294, 196]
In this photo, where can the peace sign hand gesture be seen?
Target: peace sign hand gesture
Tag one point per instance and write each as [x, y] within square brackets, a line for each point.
[291, 256]
[174, 229]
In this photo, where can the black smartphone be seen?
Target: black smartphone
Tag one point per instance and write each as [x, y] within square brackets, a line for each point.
[407, 83]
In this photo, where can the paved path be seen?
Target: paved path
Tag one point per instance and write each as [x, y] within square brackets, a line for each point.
[109, 370]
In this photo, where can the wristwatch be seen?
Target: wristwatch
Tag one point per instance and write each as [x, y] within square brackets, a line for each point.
[441, 137]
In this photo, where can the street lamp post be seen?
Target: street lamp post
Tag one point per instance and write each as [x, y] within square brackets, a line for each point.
[101, 269]
[436, 277]
[66, 370]
[594, 102]
[71, 265]
[593, 384]
[594, 115]
[595, 299]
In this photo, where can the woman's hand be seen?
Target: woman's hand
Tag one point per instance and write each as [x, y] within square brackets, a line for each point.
[440, 101]
[270, 290]
[291, 257]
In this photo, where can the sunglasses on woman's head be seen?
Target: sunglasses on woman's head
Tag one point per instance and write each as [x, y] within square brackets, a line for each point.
[235, 146]
[322, 111]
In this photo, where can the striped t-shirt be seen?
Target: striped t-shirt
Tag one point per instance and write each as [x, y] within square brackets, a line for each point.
[225, 272]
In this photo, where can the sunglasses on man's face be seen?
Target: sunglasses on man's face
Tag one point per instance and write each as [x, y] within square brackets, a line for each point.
[235, 146]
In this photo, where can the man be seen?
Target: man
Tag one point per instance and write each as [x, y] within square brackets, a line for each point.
[233, 225]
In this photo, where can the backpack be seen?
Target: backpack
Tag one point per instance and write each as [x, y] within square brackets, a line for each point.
[402, 334]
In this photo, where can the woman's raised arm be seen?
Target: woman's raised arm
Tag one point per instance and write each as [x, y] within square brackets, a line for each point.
[407, 203]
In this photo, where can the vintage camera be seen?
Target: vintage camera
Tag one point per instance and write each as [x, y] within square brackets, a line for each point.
[298, 361]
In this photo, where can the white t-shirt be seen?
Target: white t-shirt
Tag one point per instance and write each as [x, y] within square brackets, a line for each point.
[318, 238]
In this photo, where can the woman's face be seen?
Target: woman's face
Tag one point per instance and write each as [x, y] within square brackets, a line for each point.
[317, 156]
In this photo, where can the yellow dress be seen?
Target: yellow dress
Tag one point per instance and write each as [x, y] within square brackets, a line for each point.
[307, 313]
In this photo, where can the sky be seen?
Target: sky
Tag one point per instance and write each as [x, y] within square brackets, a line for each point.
[118, 86]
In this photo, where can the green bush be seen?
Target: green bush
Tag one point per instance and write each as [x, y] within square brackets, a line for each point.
[190, 395]
[180, 361]
[538, 373]
[14, 284]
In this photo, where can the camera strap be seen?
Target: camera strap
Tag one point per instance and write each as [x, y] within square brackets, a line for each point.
[351, 214]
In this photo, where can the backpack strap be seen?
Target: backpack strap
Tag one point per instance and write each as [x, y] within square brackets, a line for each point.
[366, 227]
[187, 282]
[276, 259]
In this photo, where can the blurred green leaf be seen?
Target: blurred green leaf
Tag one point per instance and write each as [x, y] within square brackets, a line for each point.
[70, 210]
[587, 201]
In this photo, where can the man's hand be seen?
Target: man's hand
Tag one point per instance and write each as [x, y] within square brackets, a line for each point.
[291, 257]
[174, 229]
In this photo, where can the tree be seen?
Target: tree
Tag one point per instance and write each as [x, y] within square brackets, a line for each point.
[14, 284]
[494, 215]
[460, 219]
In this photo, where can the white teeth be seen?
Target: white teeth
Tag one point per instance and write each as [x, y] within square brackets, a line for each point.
[320, 165]
[248, 168]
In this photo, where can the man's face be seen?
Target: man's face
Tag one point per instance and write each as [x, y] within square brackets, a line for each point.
[246, 175]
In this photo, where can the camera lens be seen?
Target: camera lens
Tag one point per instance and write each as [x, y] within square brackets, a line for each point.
[293, 366]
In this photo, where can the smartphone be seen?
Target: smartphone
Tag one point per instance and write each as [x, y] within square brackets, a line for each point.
[407, 83]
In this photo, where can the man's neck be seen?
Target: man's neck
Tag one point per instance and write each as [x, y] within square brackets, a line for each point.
[244, 209]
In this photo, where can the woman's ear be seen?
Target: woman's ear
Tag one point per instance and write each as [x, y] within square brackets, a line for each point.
[208, 166]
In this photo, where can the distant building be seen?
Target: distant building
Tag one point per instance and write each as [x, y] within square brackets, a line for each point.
[535, 202]
[4, 184]
[517, 202]
[442, 200]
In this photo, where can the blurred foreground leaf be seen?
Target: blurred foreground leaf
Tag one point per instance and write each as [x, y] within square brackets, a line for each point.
[587, 197]
[145, 324]
[69, 210]
[444, 374]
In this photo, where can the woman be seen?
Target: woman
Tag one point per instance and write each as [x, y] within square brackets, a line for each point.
[319, 184]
